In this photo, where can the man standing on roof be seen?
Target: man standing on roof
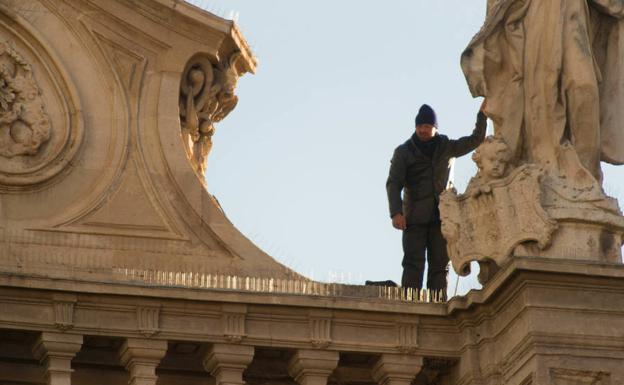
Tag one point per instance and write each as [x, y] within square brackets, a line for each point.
[420, 169]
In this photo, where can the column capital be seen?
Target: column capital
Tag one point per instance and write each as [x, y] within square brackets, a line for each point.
[396, 369]
[141, 357]
[56, 351]
[312, 367]
[226, 362]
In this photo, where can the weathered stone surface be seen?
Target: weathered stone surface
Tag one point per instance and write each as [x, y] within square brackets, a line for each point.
[96, 171]
[493, 217]
[555, 92]
[113, 236]
[312, 367]
[547, 82]
[141, 357]
[206, 97]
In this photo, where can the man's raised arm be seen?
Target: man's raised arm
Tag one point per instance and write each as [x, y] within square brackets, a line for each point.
[464, 145]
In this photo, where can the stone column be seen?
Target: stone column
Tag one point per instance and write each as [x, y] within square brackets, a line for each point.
[141, 357]
[226, 362]
[312, 367]
[396, 369]
[56, 351]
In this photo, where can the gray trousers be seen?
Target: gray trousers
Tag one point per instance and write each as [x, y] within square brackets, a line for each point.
[420, 242]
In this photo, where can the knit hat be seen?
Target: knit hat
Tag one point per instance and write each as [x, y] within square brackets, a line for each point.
[426, 115]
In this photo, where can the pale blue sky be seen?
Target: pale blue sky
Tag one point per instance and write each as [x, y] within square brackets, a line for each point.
[300, 165]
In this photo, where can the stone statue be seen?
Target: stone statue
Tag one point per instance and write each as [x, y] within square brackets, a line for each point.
[553, 75]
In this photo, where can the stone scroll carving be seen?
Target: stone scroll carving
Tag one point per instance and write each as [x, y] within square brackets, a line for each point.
[206, 97]
[24, 125]
[500, 210]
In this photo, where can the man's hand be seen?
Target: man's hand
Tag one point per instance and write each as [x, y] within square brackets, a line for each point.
[398, 221]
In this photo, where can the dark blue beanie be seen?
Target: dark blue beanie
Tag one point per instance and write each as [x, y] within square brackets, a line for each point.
[426, 115]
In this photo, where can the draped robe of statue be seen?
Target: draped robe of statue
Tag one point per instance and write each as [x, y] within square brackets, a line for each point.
[553, 74]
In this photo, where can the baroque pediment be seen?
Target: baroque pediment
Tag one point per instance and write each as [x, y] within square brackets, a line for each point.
[96, 172]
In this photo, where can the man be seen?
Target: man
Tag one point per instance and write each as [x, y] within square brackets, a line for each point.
[420, 168]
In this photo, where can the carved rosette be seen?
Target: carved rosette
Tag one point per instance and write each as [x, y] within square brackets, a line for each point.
[206, 97]
[40, 125]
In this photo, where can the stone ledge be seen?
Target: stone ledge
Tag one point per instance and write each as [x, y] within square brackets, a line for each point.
[518, 265]
[116, 288]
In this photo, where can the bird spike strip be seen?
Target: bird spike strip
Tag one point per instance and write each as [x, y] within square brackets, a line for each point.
[159, 278]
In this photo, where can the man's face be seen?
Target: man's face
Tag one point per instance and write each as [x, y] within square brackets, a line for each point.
[425, 132]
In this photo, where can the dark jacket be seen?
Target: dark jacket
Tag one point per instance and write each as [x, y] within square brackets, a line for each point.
[423, 178]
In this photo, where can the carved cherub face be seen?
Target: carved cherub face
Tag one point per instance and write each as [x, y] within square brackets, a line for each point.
[492, 158]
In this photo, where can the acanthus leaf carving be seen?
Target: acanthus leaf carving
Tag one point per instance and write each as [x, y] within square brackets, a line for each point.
[24, 125]
[206, 97]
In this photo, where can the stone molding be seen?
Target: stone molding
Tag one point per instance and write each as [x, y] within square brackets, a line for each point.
[148, 320]
[312, 367]
[64, 311]
[233, 319]
[396, 369]
[141, 357]
[407, 337]
[465, 332]
[320, 328]
[226, 362]
[563, 376]
[56, 351]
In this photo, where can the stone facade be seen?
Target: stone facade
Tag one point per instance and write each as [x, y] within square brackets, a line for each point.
[118, 267]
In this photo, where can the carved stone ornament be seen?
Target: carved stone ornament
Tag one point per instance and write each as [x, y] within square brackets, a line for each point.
[206, 97]
[565, 128]
[234, 326]
[320, 332]
[64, 315]
[148, 320]
[497, 212]
[407, 337]
[24, 125]
[40, 122]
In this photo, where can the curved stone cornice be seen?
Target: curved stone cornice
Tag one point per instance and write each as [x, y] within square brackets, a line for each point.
[130, 197]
